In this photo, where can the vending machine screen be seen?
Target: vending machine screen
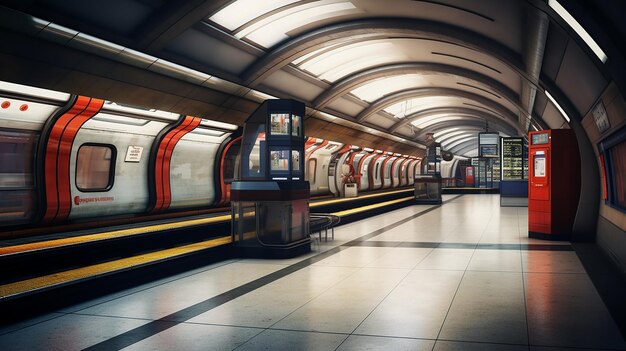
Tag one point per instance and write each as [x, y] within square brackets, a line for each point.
[540, 138]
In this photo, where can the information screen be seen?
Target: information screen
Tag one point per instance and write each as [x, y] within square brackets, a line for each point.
[489, 150]
[539, 138]
[512, 159]
[488, 144]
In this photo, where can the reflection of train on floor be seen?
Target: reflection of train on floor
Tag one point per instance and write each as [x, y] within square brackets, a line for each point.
[74, 158]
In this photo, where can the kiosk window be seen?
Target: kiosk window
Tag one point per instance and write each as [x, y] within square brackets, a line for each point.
[295, 160]
[279, 124]
[540, 166]
[94, 167]
[279, 160]
[255, 164]
[296, 124]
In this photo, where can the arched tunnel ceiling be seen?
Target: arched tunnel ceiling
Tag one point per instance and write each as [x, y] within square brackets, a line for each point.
[405, 68]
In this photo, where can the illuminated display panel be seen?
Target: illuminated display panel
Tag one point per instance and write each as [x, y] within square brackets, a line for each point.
[539, 138]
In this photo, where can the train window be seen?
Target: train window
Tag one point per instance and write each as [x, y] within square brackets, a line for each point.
[95, 167]
[311, 170]
[376, 170]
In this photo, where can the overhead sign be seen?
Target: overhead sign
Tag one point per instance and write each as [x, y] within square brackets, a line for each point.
[600, 117]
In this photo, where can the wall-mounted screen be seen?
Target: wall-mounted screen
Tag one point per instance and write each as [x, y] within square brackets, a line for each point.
[539, 138]
[488, 138]
[489, 150]
[488, 144]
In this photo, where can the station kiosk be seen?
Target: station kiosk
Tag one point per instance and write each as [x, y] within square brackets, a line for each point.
[554, 183]
[269, 197]
[427, 186]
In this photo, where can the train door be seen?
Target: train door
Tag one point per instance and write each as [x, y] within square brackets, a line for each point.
[365, 173]
[395, 172]
[403, 172]
[375, 172]
[387, 171]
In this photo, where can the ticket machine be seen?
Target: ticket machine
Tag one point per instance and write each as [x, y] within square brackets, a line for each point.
[554, 183]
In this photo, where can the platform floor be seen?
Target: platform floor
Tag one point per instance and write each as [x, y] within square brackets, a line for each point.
[463, 276]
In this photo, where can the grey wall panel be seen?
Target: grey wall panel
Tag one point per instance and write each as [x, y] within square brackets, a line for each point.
[613, 241]
[580, 79]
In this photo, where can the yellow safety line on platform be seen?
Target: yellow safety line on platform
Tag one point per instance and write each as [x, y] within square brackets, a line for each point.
[345, 199]
[104, 268]
[48, 244]
[370, 207]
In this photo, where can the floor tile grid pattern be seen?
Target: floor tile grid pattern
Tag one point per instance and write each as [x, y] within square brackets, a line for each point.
[394, 297]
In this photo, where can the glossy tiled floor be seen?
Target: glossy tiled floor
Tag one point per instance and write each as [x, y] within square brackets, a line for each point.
[463, 276]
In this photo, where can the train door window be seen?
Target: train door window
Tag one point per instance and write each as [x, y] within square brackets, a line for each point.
[95, 167]
[16, 176]
[230, 162]
[376, 171]
[311, 171]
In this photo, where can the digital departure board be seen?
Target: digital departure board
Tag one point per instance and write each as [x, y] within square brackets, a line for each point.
[512, 159]
[539, 138]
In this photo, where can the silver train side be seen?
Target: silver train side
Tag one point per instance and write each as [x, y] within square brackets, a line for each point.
[67, 158]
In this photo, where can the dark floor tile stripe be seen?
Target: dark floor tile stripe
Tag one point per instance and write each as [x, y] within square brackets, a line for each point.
[152, 328]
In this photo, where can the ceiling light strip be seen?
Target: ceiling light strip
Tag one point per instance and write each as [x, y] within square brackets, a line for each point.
[582, 33]
[558, 107]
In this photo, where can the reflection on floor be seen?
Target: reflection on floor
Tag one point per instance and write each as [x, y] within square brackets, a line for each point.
[463, 276]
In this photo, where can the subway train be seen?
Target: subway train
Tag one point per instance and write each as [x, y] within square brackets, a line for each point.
[66, 158]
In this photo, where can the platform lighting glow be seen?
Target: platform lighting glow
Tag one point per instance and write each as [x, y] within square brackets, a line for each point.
[409, 107]
[378, 88]
[558, 107]
[157, 114]
[462, 141]
[316, 53]
[274, 28]
[430, 120]
[582, 33]
[439, 138]
[328, 116]
[183, 70]
[241, 12]
[455, 138]
[340, 62]
[444, 131]
[32, 91]
[218, 125]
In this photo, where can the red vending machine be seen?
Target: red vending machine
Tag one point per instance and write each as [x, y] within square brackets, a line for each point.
[554, 183]
[469, 176]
